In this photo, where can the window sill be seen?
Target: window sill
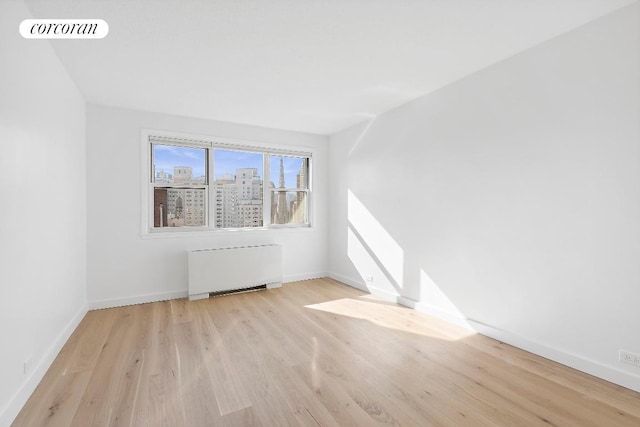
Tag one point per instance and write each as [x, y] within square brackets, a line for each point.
[176, 233]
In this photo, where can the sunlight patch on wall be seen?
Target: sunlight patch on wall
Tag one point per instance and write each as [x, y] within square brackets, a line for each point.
[434, 298]
[368, 269]
[371, 248]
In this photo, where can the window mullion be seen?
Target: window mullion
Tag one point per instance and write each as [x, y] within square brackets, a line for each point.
[211, 203]
[150, 207]
[266, 190]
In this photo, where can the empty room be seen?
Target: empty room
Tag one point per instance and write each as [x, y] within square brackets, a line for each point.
[333, 213]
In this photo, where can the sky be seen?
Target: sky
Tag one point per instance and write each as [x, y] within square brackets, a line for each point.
[225, 161]
[165, 157]
[291, 169]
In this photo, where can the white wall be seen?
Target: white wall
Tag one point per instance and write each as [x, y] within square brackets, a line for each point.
[124, 267]
[42, 209]
[510, 198]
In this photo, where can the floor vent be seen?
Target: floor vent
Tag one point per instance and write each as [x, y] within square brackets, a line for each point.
[237, 291]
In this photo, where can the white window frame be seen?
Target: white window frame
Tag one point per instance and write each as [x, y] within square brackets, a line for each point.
[293, 190]
[211, 143]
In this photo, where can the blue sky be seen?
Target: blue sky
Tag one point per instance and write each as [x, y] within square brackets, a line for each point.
[291, 169]
[165, 157]
[225, 161]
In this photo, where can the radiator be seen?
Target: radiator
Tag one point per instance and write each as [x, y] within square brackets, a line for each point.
[228, 269]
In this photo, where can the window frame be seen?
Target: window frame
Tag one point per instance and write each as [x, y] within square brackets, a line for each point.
[154, 185]
[210, 143]
[293, 190]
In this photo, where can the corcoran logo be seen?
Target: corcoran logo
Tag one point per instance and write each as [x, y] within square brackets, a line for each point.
[64, 28]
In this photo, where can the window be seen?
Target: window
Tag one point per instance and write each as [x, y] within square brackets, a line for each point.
[238, 188]
[179, 180]
[289, 198]
[202, 185]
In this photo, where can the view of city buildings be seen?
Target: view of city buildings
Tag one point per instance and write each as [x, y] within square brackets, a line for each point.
[289, 207]
[238, 199]
[178, 207]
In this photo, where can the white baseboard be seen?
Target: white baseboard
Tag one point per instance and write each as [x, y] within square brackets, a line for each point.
[452, 318]
[608, 373]
[11, 411]
[358, 284]
[164, 296]
[138, 299]
[301, 277]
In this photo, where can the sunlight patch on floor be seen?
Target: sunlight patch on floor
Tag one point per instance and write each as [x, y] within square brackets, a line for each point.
[392, 316]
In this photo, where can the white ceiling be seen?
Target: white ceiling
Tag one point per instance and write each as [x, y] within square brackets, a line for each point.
[306, 65]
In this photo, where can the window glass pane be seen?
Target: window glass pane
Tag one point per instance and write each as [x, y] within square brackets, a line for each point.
[179, 207]
[179, 165]
[289, 172]
[289, 207]
[237, 189]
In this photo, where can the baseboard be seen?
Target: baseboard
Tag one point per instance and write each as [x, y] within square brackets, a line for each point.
[608, 373]
[574, 361]
[360, 285]
[301, 277]
[138, 299]
[349, 281]
[164, 296]
[452, 318]
[11, 411]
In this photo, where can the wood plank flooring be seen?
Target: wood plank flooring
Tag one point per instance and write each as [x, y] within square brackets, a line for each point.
[311, 353]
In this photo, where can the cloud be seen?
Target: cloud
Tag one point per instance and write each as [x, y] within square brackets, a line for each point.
[191, 154]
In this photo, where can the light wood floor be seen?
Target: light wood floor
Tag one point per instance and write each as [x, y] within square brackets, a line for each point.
[311, 353]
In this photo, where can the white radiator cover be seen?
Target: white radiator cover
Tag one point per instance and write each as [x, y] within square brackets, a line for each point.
[226, 269]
